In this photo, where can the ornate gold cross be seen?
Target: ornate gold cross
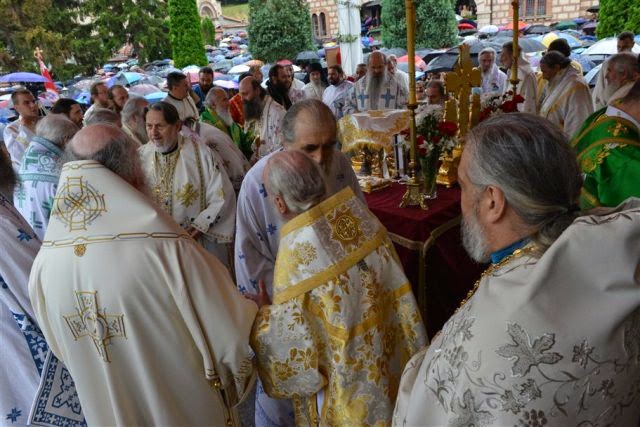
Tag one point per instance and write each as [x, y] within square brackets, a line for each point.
[459, 82]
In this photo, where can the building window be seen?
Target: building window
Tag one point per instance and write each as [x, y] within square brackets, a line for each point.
[530, 8]
[323, 25]
[314, 24]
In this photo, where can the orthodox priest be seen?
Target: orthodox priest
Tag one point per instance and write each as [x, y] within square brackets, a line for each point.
[310, 127]
[336, 270]
[525, 348]
[608, 148]
[379, 89]
[188, 182]
[148, 322]
[40, 170]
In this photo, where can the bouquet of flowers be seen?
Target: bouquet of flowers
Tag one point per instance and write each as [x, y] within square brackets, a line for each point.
[434, 137]
[499, 104]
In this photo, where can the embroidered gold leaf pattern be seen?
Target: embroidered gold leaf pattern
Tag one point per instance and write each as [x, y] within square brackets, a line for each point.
[187, 194]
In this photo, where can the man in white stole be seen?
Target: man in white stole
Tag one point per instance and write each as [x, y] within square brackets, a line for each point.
[310, 127]
[338, 292]
[551, 334]
[40, 170]
[565, 100]
[148, 322]
[188, 182]
[527, 85]
[30, 377]
[378, 90]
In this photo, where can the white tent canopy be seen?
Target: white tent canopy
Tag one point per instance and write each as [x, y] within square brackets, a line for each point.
[349, 27]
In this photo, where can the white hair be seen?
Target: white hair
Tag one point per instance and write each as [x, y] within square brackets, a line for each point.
[56, 128]
[296, 178]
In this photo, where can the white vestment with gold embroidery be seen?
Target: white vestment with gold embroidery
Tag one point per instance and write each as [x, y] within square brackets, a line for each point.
[553, 340]
[566, 101]
[344, 320]
[149, 324]
[199, 193]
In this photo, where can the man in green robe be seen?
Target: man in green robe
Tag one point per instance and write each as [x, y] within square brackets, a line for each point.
[216, 113]
[608, 148]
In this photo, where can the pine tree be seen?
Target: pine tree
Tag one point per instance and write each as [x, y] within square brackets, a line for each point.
[278, 28]
[208, 31]
[616, 16]
[185, 33]
[435, 23]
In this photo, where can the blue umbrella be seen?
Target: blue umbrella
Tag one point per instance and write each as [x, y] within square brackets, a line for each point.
[124, 78]
[23, 78]
[585, 62]
[573, 41]
[155, 97]
[83, 98]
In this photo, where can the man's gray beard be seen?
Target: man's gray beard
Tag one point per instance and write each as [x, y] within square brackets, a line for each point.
[253, 108]
[473, 239]
[8, 178]
[225, 115]
[374, 88]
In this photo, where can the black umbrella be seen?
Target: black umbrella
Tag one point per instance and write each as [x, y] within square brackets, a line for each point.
[525, 44]
[307, 55]
[397, 51]
[538, 29]
[446, 62]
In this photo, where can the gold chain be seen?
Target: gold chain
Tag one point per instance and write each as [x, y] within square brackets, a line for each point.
[493, 267]
[163, 189]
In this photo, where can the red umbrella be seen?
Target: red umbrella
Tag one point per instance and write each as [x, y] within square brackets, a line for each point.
[420, 64]
[465, 26]
[521, 25]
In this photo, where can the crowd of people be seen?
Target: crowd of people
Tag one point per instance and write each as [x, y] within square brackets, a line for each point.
[158, 258]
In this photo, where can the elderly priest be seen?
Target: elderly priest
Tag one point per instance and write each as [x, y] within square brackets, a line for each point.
[343, 320]
[551, 335]
[149, 324]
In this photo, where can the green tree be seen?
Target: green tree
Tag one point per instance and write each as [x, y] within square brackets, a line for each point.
[185, 34]
[208, 31]
[616, 16]
[435, 23]
[279, 28]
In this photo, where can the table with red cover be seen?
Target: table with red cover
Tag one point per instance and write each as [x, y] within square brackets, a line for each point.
[429, 245]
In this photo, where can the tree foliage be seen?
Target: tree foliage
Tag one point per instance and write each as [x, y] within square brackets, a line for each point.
[435, 23]
[78, 36]
[185, 33]
[208, 31]
[616, 16]
[279, 28]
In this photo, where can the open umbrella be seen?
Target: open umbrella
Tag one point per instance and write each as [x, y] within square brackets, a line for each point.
[592, 76]
[254, 63]
[521, 26]
[489, 29]
[525, 44]
[538, 29]
[565, 25]
[397, 51]
[238, 69]
[465, 26]
[155, 97]
[608, 46]
[307, 55]
[144, 89]
[471, 22]
[447, 60]
[418, 61]
[124, 78]
[23, 77]
[226, 84]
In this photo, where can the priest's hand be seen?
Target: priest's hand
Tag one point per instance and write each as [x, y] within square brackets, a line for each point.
[194, 233]
[262, 297]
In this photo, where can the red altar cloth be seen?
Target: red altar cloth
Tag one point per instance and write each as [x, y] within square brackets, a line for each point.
[429, 245]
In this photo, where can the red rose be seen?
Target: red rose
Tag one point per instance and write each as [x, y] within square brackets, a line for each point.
[509, 106]
[448, 128]
[436, 139]
[420, 139]
[518, 99]
[422, 151]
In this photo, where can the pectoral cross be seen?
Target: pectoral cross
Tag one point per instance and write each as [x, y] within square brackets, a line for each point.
[387, 97]
[460, 81]
[362, 97]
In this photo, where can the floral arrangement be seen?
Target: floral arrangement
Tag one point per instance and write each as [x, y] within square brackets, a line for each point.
[499, 104]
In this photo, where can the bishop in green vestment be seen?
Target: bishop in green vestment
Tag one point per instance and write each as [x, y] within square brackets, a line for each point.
[608, 148]
[216, 113]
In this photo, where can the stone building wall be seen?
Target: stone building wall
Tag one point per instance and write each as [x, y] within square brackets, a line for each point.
[329, 9]
[498, 12]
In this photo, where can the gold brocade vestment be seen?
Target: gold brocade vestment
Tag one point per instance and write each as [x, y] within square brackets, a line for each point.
[344, 319]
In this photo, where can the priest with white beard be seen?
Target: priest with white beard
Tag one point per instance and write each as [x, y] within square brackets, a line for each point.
[493, 80]
[310, 127]
[549, 335]
[187, 181]
[378, 90]
[149, 324]
[316, 86]
[133, 117]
